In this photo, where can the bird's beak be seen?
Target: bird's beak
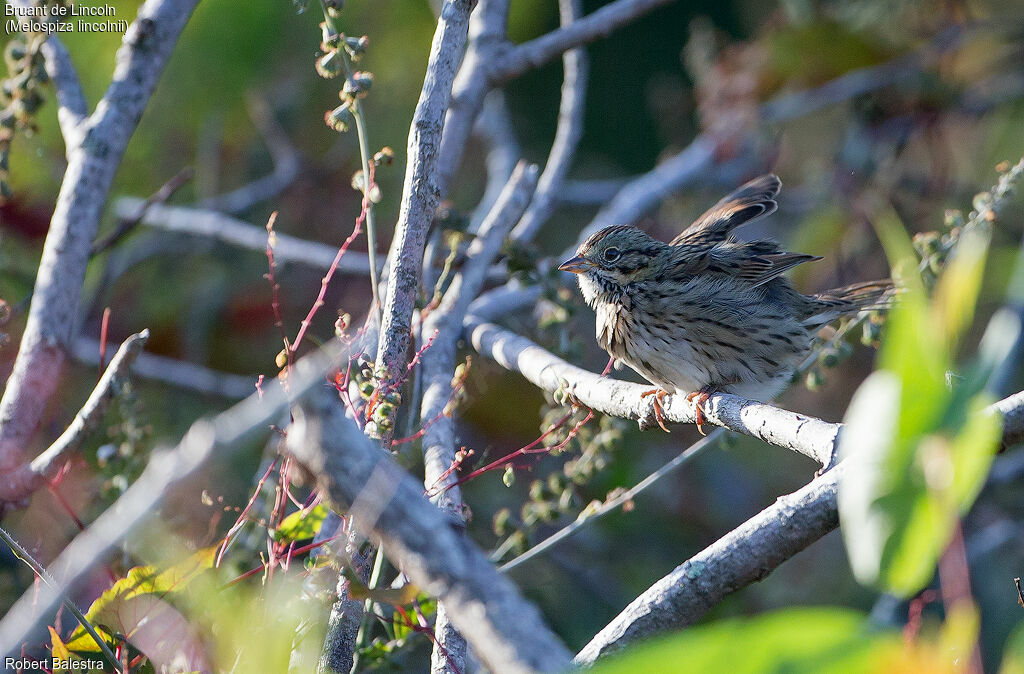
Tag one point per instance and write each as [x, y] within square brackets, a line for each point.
[577, 265]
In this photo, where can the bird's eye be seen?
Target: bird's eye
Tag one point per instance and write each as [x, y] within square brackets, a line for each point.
[612, 254]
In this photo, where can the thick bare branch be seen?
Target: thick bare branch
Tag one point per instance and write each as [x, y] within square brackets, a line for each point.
[92, 163]
[744, 555]
[387, 505]
[806, 435]
[437, 365]
[205, 439]
[575, 68]
[215, 225]
[421, 192]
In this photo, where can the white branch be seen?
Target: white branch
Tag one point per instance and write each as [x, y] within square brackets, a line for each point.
[420, 192]
[492, 60]
[93, 158]
[386, 504]
[214, 225]
[806, 435]
[599, 24]
[30, 477]
[744, 555]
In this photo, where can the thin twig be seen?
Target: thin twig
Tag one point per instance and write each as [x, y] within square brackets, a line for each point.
[575, 66]
[40, 571]
[127, 224]
[586, 518]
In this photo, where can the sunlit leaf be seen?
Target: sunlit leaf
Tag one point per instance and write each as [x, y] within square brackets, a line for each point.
[301, 525]
[105, 612]
[57, 647]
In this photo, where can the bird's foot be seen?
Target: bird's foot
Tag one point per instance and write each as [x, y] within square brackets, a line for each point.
[701, 396]
[659, 413]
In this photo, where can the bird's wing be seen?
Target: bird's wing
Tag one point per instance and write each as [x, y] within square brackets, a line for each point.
[753, 200]
[760, 269]
[754, 262]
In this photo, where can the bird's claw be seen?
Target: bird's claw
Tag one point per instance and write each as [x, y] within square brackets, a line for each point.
[659, 412]
[701, 397]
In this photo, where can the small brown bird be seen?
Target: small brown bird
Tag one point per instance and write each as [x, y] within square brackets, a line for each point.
[707, 312]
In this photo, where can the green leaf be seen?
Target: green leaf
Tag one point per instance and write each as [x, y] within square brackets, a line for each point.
[794, 640]
[917, 451]
[301, 525]
[140, 581]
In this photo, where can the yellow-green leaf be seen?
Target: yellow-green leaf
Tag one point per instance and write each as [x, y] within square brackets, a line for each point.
[301, 525]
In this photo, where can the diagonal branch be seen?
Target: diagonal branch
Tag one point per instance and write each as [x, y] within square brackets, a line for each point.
[93, 159]
[421, 192]
[493, 61]
[205, 439]
[518, 60]
[386, 504]
[47, 463]
[744, 555]
[806, 435]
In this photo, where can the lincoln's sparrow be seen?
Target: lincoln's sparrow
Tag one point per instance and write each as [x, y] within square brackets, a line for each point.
[707, 312]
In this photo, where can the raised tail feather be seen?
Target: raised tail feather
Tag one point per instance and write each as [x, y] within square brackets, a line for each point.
[849, 300]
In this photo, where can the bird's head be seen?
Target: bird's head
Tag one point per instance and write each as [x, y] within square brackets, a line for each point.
[615, 257]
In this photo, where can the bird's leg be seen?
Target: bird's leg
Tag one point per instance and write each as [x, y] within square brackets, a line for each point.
[701, 395]
[659, 413]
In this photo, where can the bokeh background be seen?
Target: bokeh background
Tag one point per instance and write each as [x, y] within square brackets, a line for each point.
[924, 143]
